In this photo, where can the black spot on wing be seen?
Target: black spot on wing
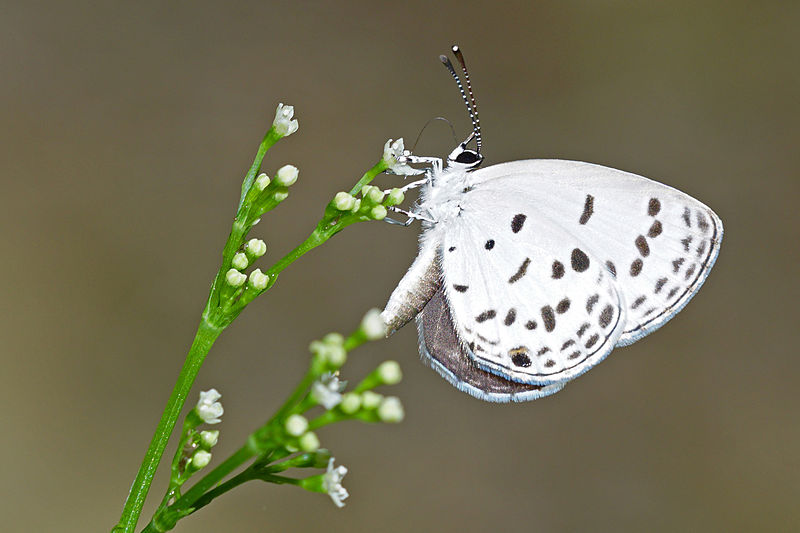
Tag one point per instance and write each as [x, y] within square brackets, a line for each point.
[672, 292]
[676, 264]
[660, 284]
[580, 261]
[582, 329]
[591, 341]
[702, 223]
[486, 315]
[686, 242]
[511, 316]
[605, 316]
[687, 217]
[523, 268]
[567, 344]
[641, 245]
[574, 355]
[543, 351]
[461, 288]
[550, 363]
[690, 272]
[655, 230]
[611, 268]
[588, 209]
[517, 222]
[452, 248]
[530, 324]
[636, 267]
[558, 269]
[701, 249]
[562, 306]
[489, 244]
[638, 301]
[653, 207]
[549, 318]
[591, 301]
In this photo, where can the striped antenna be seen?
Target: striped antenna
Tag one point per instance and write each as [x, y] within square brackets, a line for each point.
[476, 121]
[475, 125]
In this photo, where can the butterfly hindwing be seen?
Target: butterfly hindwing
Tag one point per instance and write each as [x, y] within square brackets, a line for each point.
[529, 300]
[659, 242]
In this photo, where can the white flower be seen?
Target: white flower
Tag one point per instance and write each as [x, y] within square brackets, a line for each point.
[332, 483]
[373, 325]
[389, 372]
[391, 410]
[393, 156]
[208, 408]
[258, 280]
[327, 390]
[286, 175]
[296, 425]
[283, 123]
[235, 278]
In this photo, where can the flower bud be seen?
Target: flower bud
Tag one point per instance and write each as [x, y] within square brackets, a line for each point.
[235, 278]
[371, 400]
[391, 410]
[378, 212]
[374, 195]
[333, 338]
[389, 372]
[356, 205]
[255, 248]
[351, 402]
[262, 181]
[240, 261]
[280, 196]
[286, 175]
[309, 442]
[343, 201]
[200, 459]
[296, 425]
[209, 438]
[258, 280]
[395, 197]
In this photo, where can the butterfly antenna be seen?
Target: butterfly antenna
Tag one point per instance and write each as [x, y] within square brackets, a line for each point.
[452, 130]
[475, 127]
[476, 121]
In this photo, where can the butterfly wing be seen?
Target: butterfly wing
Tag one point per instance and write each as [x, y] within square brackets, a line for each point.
[529, 300]
[658, 242]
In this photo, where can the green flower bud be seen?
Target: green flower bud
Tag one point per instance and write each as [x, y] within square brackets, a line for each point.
[309, 442]
[351, 402]
[395, 197]
[258, 280]
[389, 372]
[371, 400]
[378, 212]
[262, 181]
[391, 410]
[240, 261]
[343, 201]
[255, 248]
[296, 425]
[235, 278]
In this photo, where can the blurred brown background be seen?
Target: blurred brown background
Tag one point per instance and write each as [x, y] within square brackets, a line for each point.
[126, 128]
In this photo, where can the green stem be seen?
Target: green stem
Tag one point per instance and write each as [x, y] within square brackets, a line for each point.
[204, 339]
[368, 176]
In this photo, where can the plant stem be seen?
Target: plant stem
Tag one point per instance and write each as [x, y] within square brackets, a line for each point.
[204, 339]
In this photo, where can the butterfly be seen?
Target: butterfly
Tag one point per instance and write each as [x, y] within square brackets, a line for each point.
[531, 272]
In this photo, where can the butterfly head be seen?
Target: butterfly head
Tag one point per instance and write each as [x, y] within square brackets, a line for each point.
[463, 157]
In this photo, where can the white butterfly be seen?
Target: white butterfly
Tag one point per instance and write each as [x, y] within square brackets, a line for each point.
[530, 272]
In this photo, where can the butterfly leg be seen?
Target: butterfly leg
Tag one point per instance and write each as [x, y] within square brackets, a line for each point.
[411, 217]
[434, 162]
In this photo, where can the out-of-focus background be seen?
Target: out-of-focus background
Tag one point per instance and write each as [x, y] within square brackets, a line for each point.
[125, 129]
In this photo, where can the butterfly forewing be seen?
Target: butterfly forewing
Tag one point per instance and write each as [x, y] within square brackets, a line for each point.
[529, 300]
[659, 242]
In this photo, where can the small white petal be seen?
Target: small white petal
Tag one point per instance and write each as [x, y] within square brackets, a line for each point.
[327, 390]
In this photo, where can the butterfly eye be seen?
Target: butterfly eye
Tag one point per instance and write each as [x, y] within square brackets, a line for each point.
[468, 157]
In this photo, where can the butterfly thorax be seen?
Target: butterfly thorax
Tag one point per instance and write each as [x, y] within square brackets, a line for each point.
[442, 197]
